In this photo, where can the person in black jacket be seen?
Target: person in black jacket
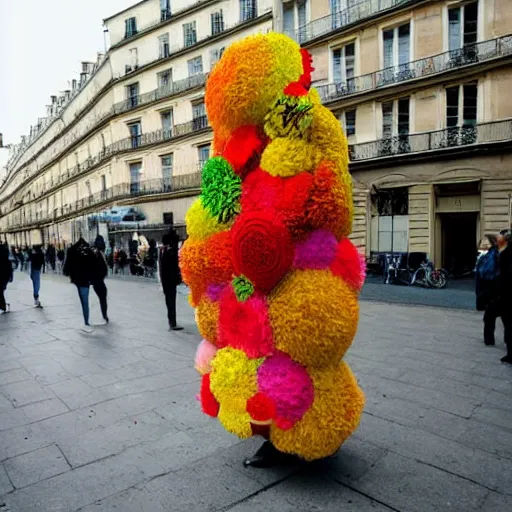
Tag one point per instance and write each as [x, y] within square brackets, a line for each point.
[80, 266]
[99, 275]
[505, 289]
[6, 276]
[36, 258]
[170, 276]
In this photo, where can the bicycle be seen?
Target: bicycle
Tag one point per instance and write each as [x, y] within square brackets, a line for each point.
[428, 276]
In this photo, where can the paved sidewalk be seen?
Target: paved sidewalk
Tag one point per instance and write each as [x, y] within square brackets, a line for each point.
[109, 421]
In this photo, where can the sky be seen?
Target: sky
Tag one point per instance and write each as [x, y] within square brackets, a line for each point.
[42, 45]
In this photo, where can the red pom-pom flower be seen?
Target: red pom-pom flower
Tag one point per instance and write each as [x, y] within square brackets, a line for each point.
[263, 250]
[209, 403]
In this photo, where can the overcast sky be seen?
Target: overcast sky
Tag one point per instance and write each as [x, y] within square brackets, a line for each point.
[42, 43]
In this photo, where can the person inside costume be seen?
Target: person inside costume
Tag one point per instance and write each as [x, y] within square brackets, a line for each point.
[271, 271]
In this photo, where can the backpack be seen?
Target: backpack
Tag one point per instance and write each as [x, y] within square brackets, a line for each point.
[487, 267]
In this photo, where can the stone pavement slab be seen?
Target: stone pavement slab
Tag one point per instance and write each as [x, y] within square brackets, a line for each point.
[110, 421]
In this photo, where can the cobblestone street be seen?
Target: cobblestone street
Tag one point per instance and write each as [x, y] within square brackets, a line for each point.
[109, 421]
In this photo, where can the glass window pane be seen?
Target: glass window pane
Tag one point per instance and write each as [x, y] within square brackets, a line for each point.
[289, 18]
[388, 48]
[349, 61]
[403, 116]
[470, 104]
[336, 66]
[452, 106]
[404, 44]
[387, 119]
[454, 28]
[470, 23]
[350, 122]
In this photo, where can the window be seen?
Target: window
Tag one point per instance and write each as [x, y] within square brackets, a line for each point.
[163, 43]
[132, 94]
[135, 134]
[103, 186]
[461, 108]
[341, 12]
[135, 169]
[165, 79]
[348, 122]
[130, 26]
[204, 154]
[343, 65]
[217, 20]
[195, 66]
[199, 115]
[395, 127]
[462, 26]
[134, 61]
[390, 221]
[167, 123]
[397, 50]
[248, 10]
[289, 19]
[165, 9]
[215, 56]
[167, 162]
[189, 34]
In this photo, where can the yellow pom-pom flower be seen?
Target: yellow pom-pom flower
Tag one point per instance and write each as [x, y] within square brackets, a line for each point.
[201, 224]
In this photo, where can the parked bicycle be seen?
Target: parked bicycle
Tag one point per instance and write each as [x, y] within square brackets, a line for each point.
[409, 273]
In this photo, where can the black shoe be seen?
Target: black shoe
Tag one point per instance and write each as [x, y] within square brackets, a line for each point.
[269, 456]
[106, 319]
[507, 359]
[489, 343]
[175, 328]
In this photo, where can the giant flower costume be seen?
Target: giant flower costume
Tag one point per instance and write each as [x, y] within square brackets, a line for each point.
[272, 275]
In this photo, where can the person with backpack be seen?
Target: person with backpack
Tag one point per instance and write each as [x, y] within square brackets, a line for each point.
[80, 266]
[36, 258]
[487, 285]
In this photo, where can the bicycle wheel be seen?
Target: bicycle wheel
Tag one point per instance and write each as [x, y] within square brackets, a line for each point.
[436, 279]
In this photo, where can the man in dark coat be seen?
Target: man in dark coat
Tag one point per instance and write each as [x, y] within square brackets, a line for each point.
[170, 276]
[80, 266]
[36, 258]
[505, 289]
[99, 275]
[5, 276]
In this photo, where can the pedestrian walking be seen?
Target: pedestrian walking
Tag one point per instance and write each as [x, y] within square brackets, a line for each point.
[36, 259]
[79, 267]
[6, 276]
[61, 257]
[99, 274]
[505, 288]
[170, 276]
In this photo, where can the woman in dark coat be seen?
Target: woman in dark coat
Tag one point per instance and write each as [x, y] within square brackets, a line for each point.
[5, 276]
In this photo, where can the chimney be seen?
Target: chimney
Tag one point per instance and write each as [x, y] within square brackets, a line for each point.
[54, 99]
[1, 140]
[73, 85]
[67, 94]
[83, 78]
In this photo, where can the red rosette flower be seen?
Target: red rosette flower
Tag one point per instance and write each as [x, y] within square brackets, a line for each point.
[263, 250]
[261, 408]
[349, 264]
[209, 403]
[244, 148]
[245, 325]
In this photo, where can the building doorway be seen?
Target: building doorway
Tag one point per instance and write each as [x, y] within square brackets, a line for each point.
[459, 241]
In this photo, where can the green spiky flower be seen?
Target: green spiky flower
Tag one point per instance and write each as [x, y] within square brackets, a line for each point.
[243, 288]
[221, 189]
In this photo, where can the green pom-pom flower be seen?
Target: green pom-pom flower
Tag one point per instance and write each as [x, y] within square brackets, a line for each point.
[243, 288]
[221, 189]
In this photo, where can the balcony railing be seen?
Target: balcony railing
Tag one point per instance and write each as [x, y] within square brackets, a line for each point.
[457, 136]
[162, 92]
[122, 191]
[469, 55]
[353, 14]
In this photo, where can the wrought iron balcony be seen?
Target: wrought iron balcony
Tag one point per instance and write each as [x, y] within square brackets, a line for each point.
[162, 92]
[453, 137]
[484, 51]
[353, 14]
